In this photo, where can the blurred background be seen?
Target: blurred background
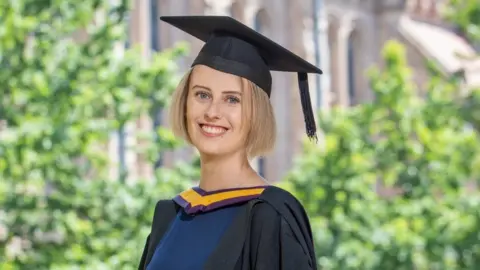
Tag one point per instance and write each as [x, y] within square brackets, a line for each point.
[86, 149]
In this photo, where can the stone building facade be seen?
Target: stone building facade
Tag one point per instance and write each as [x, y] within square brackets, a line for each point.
[347, 38]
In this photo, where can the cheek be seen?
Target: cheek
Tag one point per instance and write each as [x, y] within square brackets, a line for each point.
[190, 118]
[239, 123]
[234, 116]
[191, 111]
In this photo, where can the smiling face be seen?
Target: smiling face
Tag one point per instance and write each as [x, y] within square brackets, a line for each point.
[219, 113]
[214, 112]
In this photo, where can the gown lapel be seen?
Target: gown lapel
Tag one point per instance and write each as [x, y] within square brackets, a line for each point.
[165, 212]
[195, 201]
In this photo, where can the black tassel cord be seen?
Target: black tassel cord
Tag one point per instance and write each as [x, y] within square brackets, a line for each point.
[310, 124]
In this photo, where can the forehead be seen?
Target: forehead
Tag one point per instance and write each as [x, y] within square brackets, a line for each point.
[214, 79]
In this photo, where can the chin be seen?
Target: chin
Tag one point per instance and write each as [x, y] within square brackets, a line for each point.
[213, 148]
[220, 146]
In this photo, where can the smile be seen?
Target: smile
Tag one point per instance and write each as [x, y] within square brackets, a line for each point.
[212, 131]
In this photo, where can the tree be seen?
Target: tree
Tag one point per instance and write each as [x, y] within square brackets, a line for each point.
[60, 100]
[466, 16]
[389, 189]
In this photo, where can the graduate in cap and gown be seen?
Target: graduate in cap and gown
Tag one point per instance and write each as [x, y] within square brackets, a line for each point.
[234, 220]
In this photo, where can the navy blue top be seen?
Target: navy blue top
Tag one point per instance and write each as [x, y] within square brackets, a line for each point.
[191, 239]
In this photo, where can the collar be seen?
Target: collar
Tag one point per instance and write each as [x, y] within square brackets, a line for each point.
[197, 200]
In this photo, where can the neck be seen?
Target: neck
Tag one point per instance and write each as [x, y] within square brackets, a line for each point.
[221, 172]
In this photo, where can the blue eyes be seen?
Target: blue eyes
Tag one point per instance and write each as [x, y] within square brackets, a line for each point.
[232, 99]
[229, 99]
[202, 95]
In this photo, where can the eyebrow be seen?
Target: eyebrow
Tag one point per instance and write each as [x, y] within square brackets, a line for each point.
[223, 92]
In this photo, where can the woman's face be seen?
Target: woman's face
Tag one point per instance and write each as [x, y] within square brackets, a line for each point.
[214, 112]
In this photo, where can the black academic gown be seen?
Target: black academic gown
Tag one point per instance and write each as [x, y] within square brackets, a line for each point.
[271, 232]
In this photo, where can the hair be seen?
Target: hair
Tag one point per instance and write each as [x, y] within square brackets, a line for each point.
[257, 111]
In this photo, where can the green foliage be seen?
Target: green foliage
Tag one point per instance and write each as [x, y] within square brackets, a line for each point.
[465, 14]
[389, 187]
[60, 101]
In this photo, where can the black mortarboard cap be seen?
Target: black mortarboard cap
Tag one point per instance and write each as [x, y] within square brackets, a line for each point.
[235, 48]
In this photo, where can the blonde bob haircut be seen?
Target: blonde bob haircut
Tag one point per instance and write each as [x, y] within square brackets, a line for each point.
[257, 111]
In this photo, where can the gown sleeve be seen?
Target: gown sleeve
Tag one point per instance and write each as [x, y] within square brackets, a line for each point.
[143, 259]
[165, 212]
[273, 243]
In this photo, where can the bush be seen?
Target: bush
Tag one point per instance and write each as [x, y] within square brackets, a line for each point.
[60, 101]
[390, 188]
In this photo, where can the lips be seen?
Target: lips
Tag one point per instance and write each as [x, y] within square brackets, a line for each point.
[212, 130]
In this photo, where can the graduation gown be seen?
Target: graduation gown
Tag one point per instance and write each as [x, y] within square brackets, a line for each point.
[265, 230]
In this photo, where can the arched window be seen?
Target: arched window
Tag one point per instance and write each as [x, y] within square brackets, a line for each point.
[236, 11]
[261, 25]
[127, 30]
[333, 27]
[351, 69]
[154, 29]
[262, 22]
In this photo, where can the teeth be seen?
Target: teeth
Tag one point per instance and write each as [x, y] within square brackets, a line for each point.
[213, 130]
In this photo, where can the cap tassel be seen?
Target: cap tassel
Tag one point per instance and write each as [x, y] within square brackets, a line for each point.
[310, 125]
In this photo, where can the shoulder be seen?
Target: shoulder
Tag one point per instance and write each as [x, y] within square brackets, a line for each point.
[274, 194]
[164, 211]
[164, 204]
[283, 202]
[279, 217]
[278, 205]
[290, 210]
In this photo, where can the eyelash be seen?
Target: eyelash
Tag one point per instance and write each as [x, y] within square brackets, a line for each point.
[199, 93]
[233, 99]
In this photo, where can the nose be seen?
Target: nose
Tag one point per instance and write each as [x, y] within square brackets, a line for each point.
[213, 111]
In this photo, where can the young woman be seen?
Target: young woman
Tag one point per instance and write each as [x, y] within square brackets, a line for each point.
[234, 220]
